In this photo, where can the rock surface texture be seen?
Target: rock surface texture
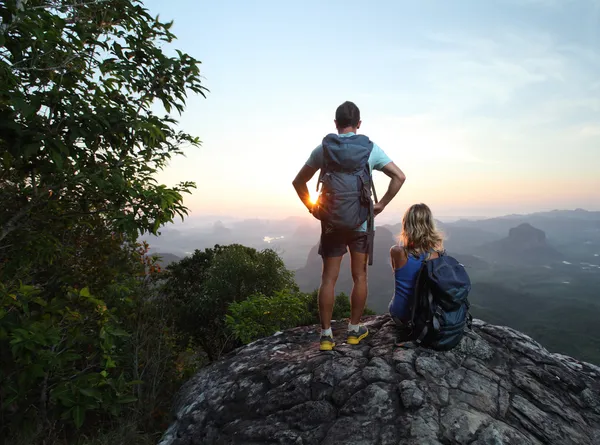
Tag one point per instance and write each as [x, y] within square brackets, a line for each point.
[497, 387]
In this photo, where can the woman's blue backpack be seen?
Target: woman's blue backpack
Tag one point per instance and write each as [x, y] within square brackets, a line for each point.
[440, 307]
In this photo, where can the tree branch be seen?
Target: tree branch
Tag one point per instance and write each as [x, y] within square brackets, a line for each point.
[20, 7]
[15, 67]
[12, 223]
[73, 5]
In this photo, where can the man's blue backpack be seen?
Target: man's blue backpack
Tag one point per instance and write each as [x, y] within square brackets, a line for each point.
[440, 307]
[346, 182]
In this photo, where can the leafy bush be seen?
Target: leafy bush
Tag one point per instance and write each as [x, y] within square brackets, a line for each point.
[75, 359]
[260, 316]
[201, 287]
[62, 355]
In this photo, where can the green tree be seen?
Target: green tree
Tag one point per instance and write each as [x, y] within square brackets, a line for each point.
[202, 286]
[260, 316]
[81, 141]
[78, 134]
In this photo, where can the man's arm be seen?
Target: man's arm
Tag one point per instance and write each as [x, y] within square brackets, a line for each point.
[397, 180]
[304, 175]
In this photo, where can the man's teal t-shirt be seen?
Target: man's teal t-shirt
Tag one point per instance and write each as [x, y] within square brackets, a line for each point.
[377, 160]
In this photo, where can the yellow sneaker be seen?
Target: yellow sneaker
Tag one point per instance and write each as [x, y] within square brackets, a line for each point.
[355, 337]
[327, 343]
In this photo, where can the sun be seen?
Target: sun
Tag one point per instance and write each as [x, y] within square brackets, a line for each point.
[313, 199]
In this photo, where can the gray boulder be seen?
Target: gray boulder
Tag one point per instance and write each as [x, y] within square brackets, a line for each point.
[497, 387]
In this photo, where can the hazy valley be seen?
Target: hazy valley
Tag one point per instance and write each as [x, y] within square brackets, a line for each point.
[539, 273]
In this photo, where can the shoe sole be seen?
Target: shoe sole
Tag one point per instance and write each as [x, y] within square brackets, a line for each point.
[326, 346]
[356, 340]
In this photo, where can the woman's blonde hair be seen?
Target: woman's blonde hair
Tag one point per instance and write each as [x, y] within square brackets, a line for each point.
[419, 234]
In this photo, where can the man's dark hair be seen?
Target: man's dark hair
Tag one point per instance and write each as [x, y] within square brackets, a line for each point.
[347, 115]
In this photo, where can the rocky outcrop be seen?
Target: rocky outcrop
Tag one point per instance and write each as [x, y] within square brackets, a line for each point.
[497, 387]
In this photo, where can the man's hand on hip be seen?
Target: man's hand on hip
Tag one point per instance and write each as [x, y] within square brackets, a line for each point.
[304, 175]
[378, 208]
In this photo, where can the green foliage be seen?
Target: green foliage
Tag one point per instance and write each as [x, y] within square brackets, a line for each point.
[78, 134]
[368, 311]
[84, 335]
[64, 351]
[260, 316]
[238, 271]
[341, 308]
[201, 287]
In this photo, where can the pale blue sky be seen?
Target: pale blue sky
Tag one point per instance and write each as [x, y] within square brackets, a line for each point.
[490, 107]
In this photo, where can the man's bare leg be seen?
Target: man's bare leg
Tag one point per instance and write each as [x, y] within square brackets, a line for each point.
[358, 298]
[331, 270]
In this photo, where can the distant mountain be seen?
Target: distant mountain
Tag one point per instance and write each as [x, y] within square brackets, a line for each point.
[525, 245]
[561, 226]
[219, 229]
[167, 258]
[576, 214]
[575, 233]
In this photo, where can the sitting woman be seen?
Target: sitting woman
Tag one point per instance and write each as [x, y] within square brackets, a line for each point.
[419, 240]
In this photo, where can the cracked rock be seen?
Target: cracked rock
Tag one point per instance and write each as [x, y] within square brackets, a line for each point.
[497, 387]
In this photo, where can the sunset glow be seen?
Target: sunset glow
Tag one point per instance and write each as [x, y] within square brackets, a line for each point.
[477, 115]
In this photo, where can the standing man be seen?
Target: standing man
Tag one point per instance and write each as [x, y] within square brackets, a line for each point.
[346, 211]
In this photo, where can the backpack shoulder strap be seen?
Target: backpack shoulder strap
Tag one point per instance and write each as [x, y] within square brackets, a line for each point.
[371, 217]
[418, 285]
[370, 233]
[373, 188]
[440, 253]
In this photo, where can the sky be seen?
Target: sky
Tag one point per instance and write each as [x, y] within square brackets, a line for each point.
[489, 108]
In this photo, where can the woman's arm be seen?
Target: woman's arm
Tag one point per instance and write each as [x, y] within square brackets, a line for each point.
[398, 256]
